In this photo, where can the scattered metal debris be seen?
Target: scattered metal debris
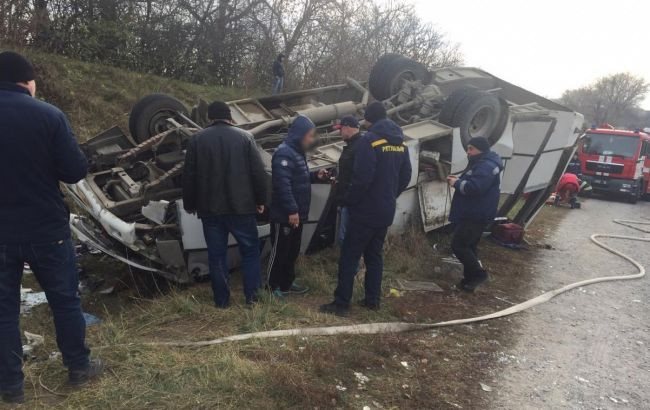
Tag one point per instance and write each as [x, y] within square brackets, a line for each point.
[417, 285]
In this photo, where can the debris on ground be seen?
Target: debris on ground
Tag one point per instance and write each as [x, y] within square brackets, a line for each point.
[362, 379]
[30, 299]
[485, 387]
[394, 293]
[91, 319]
[33, 341]
[450, 265]
[417, 285]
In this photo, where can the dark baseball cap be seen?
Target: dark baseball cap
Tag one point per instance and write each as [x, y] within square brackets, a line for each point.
[347, 121]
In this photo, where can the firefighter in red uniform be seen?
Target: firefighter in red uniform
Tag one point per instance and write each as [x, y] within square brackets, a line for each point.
[567, 190]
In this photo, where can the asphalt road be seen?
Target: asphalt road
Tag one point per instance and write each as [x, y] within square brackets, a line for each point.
[590, 348]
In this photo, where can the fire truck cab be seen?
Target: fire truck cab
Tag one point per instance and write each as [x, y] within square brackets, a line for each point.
[616, 162]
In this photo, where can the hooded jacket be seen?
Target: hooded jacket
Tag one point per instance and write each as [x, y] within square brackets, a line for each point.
[291, 179]
[476, 196]
[37, 150]
[224, 173]
[382, 170]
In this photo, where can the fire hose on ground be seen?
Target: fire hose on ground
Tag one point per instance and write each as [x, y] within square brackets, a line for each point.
[396, 327]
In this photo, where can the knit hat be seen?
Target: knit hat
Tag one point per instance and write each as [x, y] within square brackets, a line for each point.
[480, 143]
[15, 68]
[375, 111]
[219, 110]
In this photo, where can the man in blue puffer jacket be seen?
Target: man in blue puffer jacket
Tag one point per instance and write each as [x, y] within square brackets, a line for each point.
[290, 203]
[474, 206]
[382, 170]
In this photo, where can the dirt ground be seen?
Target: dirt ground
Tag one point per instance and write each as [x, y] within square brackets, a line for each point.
[587, 349]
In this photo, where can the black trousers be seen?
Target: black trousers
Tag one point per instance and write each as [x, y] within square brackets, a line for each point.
[464, 244]
[367, 242]
[282, 262]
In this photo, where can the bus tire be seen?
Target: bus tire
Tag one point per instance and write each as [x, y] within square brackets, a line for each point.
[149, 115]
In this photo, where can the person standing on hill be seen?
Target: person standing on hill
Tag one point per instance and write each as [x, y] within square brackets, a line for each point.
[382, 171]
[278, 75]
[290, 204]
[225, 183]
[37, 151]
[473, 207]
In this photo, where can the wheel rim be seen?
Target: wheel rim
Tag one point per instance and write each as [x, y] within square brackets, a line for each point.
[482, 122]
[399, 80]
[158, 122]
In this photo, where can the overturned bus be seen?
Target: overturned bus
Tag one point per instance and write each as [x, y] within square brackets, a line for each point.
[131, 200]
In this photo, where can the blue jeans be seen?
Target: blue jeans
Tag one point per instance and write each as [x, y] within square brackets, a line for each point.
[360, 241]
[278, 85]
[54, 267]
[244, 229]
[344, 219]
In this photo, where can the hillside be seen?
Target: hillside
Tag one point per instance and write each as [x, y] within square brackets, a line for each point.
[96, 97]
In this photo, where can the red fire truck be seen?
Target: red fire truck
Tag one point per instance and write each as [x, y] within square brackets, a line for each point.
[616, 162]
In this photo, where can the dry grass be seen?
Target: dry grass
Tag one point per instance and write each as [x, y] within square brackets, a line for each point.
[95, 97]
[278, 373]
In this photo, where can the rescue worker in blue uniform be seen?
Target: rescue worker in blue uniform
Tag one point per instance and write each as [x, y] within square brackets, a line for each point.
[382, 170]
[473, 207]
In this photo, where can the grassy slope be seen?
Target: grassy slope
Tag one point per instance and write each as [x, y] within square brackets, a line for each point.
[95, 97]
[443, 369]
[442, 372]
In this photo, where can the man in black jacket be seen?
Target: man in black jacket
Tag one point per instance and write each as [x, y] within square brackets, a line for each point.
[37, 150]
[349, 128]
[225, 183]
[278, 75]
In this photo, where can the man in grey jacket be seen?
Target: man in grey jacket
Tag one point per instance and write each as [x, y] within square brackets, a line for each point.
[225, 183]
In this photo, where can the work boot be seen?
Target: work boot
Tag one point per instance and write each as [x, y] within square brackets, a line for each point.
[13, 396]
[470, 285]
[369, 305]
[81, 377]
[335, 309]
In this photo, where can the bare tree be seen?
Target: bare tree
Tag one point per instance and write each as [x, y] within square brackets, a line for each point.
[229, 42]
[613, 98]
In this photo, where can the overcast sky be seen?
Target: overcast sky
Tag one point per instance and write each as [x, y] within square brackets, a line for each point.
[547, 46]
